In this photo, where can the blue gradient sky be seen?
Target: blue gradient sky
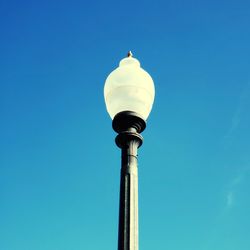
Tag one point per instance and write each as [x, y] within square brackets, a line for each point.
[59, 166]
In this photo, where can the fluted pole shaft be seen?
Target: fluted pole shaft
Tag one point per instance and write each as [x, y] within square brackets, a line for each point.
[128, 211]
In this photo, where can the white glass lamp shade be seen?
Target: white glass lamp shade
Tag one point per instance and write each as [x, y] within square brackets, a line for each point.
[129, 88]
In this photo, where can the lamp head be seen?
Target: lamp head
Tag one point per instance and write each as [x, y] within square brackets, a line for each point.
[129, 88]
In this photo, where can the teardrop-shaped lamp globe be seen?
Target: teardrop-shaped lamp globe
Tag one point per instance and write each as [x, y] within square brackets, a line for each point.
[129, 88]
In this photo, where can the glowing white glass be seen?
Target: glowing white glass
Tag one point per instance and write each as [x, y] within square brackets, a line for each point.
[129, 88]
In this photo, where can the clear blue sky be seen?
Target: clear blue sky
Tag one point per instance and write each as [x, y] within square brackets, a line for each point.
[59, 166]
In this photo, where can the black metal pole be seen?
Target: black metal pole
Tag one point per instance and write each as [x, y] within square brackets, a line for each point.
[128, 125]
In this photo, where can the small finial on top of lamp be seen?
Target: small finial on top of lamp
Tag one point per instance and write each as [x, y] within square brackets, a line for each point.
[130, 54]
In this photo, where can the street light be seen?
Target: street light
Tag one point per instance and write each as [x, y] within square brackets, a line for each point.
[129, 96]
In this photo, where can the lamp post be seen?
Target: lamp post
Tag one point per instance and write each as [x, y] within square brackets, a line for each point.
[129, 96]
